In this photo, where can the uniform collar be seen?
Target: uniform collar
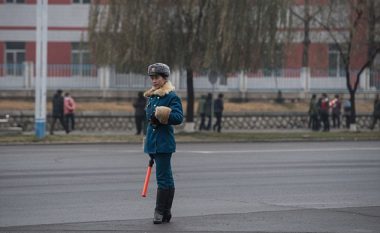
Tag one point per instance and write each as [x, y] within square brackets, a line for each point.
[162, 91]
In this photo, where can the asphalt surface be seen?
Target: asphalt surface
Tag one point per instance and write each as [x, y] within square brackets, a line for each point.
[229, 187]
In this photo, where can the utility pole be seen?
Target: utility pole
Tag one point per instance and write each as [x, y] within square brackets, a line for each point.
[41, 68]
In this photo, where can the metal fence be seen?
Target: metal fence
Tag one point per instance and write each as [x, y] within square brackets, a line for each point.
[69, 76]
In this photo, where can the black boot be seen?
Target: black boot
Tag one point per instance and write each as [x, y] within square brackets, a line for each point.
[169, 201]
[160, 205]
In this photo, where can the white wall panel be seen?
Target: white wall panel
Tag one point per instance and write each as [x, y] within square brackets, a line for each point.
[53, 35]
[19, 15]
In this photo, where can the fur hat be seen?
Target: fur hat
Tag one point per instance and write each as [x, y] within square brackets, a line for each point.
[159, 69]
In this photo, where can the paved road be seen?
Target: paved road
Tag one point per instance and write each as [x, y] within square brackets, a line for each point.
[259, 187]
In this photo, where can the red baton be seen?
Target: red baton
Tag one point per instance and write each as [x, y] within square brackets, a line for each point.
[147, 177]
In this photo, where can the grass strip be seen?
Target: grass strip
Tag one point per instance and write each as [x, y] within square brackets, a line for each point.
[197, 137]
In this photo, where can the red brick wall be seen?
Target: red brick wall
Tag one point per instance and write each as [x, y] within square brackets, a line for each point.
[318, 56]
[293, 56]
[59, 53]
[30, 48]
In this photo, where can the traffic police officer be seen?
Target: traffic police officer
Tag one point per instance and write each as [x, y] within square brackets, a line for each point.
[163, 110]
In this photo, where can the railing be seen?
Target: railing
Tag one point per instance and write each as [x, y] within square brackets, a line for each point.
[71, 76]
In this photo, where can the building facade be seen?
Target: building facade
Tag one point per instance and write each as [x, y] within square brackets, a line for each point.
[69, 55]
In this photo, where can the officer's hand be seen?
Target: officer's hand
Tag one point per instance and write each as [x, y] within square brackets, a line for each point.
[154, 120]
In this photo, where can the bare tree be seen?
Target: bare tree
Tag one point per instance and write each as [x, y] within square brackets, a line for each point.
[221, 35]
[306, 18]
[352, 17]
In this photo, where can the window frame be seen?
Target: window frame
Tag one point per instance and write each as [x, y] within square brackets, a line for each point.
[80, 68]
[14, 68]
[339, 70]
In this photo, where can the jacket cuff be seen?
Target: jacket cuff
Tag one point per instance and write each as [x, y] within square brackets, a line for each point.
[162, 114]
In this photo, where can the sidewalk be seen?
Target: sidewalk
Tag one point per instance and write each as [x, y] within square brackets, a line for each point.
[60, 137]
[339, 220]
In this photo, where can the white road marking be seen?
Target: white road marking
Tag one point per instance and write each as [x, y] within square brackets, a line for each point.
[284, 150]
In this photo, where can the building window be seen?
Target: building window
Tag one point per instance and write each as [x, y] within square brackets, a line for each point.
[14, 57]
[336, 64]
[82, 1]
[80, 59]
[15, 1]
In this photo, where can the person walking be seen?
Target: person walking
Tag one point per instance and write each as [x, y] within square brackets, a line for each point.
[201, 112]
[139, 106]
[313, 113]
[208, 109]
[376, 112]
[336, 107]
[347, 112]
[324, 112]
[218, 111]
[164, 109]
[57, 111]
[69, 108]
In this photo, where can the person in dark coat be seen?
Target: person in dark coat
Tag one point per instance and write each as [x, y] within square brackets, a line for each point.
[164, 109]
[218, 111]
[139, 106]
[313, 113]
[201, 112]
[347, 112]
[208, 109]
[57, 111]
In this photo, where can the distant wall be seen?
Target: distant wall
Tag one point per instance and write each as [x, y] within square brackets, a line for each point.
[127, 95]
[124, 122]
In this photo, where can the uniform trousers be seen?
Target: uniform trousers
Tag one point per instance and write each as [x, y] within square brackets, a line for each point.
[164, 175]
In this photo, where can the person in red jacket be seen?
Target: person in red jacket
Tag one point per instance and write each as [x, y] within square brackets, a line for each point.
[69, 108]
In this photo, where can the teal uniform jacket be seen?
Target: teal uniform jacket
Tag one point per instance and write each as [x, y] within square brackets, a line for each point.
[160, 139]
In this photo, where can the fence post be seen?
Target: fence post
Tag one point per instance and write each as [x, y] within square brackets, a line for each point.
[107, 77]
[364, 79]
[100, 77]
[305, 78]
[25, 70]
[104, 75]
[243, 84]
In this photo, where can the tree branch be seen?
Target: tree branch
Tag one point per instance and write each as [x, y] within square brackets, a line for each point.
[297, 15]
[367, 64]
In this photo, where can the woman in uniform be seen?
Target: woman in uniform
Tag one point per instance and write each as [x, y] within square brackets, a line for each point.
[163, 110]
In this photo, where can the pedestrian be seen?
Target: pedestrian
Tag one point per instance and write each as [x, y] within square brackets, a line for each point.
[313, 113]
[324, 112]
[140, 121]
[376, 112]
[347, 112]
[336, 107]
[69, 108]
[201, 112]
[164, 109]
[57, 111]
[218, 111]
[208, 108]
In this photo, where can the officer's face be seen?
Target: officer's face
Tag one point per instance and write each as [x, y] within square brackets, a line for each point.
[157, 81]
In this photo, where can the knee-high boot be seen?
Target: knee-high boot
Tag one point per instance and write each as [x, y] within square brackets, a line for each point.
[161, 197]
[168, 205]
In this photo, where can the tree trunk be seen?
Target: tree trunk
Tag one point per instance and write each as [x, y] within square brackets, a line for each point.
[190, 95]
[306, 38]
[353, 127]
[353, 107]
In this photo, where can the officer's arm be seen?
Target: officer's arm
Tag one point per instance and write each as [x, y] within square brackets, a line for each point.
[176, 115]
